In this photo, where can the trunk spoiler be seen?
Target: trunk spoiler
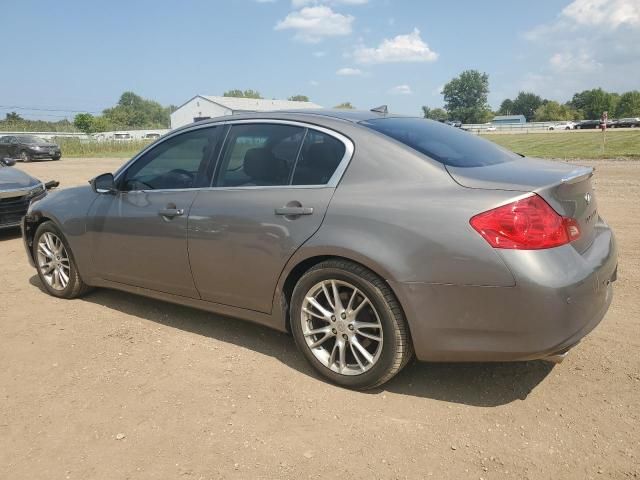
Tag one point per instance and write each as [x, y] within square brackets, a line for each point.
[578, 175]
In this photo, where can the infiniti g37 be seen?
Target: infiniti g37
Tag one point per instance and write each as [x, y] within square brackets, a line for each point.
[372, 238]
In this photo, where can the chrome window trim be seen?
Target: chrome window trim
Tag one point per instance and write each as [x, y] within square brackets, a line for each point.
[332, 183]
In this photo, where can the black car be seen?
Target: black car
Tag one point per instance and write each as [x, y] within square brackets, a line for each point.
[17, 189]
[627, 123]
[28, 147]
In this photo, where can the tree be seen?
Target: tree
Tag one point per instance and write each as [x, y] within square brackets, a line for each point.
[593, 102]
[435, 113]
[526, 103]
[506, 107]
[84, 122]
[345, 106]
[629, 105]
[13, 117]
[465, 97]
[240, 94]
[299, 98]
[553, 111]
[133, 111]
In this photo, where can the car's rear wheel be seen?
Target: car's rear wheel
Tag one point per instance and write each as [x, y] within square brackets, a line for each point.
[55, 263]
[24, 156]
[349, 325]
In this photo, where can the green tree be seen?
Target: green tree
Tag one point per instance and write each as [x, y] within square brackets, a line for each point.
[345, 106]
[84, 122]
[506, 107]
[629, 105]
[240, 94]
[526, 103]
[554, 111]
[133, 111]
[435, 113]
[593, 102]
[13, 117]
[299, 98]
[465, 97]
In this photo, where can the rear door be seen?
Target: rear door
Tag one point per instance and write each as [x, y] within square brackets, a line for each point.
[271, 191]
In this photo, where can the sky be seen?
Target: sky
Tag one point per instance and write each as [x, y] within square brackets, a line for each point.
[67, 56]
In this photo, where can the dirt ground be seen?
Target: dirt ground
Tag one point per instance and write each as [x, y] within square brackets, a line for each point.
[114, 386]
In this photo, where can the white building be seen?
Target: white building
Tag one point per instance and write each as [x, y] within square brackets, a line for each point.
[202, 107]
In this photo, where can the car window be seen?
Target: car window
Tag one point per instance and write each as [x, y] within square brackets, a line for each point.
[4, 139]
[176, 163]
[445, 144]
[320, 156]
[259, 154]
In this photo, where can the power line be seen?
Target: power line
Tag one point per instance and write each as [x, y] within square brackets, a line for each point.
[40, 109]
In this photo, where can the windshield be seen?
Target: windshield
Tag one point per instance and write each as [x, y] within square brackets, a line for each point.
[32, 139]
[445, 144]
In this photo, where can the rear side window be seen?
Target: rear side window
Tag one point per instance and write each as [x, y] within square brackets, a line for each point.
[260, 154]
[445, 144]
[320, 156]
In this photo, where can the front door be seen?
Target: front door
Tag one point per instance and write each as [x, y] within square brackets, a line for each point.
[272, 188]
[140, 233]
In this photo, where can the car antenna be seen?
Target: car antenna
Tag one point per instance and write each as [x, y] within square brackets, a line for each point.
[381, 109]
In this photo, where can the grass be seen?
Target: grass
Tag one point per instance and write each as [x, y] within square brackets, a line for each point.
[584, 145]
[74, 147]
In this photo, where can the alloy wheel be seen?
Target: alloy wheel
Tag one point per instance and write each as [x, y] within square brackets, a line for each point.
[341, 327]
[53, 261]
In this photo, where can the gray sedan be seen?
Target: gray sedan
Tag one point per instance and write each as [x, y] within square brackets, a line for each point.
[370, 237]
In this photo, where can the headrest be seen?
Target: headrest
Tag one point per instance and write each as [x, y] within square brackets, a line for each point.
[262, 166]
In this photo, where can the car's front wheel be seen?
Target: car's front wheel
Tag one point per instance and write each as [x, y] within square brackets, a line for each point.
[349, 325]
[55, 263]
[24, 156]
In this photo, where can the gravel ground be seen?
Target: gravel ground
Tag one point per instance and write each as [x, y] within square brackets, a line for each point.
[116, 386]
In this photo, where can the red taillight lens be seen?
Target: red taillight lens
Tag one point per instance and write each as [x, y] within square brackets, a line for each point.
[526, 224]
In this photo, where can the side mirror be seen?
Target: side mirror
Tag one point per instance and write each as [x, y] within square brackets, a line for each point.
[9, 162]
[104, 183]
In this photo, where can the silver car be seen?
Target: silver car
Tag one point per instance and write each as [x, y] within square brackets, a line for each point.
[370, 237]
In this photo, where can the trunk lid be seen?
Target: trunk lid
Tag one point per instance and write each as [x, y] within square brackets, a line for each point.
[567, 188]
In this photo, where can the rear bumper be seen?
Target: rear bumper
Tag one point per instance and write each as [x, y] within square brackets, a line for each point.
[559, 297]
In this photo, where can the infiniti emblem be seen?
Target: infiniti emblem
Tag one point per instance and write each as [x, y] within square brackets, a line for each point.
[587, 197]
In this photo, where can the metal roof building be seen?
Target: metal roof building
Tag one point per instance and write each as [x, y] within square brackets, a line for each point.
[506, 119]
[202, 107]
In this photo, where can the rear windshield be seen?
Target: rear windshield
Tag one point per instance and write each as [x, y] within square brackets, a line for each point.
[444, 143]
[31, 139]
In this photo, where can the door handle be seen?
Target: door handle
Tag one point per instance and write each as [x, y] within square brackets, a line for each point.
[294, 211]
[171, 212]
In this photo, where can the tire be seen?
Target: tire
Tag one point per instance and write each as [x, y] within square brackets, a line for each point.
[54, 257]
[366, 300]
[24, 156]
[56, 158]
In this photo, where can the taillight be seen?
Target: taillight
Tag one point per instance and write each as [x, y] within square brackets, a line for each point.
[526, 224]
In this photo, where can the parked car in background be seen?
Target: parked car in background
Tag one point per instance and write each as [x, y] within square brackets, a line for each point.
[591, 124]
[120, 137]
[454, 123]
[627, 122]
[28, 147]
[17, 189]
[370, 237]
[563, 126]
[152, 136]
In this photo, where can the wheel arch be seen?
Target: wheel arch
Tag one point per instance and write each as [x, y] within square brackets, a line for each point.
[31, 224]
[301, 263]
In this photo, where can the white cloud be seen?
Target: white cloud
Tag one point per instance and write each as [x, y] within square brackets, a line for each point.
[314, 83]
[319, 54]
[265, 1]
[403, 48]
[349, 72]
[590, 43]
[401, 90]
[312, 24]
[573, 62]
[304, 3]
[603, 13]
